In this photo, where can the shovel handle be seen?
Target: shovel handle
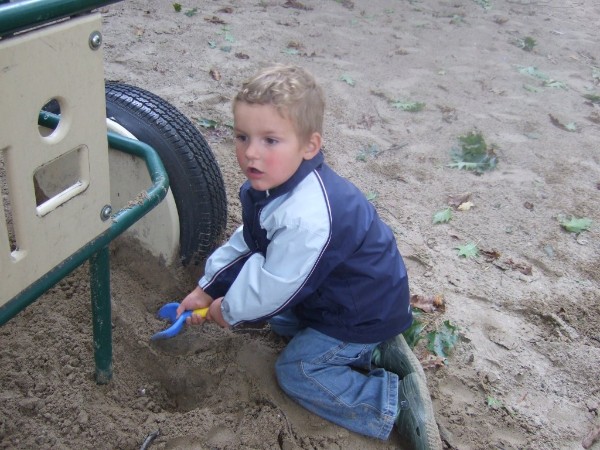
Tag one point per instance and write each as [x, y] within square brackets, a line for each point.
[201, 312]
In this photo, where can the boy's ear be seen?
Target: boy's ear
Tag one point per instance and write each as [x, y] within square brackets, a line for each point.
[313, 146]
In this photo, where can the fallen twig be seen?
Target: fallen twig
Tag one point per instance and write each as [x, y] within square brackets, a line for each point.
[571, 332]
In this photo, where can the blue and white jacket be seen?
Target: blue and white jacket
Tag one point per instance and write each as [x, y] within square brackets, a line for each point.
[317, 245]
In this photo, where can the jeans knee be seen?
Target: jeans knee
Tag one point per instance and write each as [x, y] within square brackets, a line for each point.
[287, 373]
[280, 371]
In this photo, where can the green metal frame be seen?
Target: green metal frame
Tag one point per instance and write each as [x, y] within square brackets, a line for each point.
[26, 14]
[97, 252]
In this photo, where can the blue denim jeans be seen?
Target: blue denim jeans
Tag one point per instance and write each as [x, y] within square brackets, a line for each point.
[335, 380]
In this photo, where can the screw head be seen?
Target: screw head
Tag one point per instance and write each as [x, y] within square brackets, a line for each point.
[95, 40]
[105, 212]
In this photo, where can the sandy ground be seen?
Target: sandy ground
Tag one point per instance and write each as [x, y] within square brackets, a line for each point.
[524, 373]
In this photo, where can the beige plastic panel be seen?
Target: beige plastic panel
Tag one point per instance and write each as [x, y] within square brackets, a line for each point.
[158, 231]
[36, 235]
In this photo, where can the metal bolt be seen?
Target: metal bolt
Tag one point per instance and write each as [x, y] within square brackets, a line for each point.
[105, 212]
[95, 40]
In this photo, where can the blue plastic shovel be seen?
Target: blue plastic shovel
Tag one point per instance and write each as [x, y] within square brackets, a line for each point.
[169, 312]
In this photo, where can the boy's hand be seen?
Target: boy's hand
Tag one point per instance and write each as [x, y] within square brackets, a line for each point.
[195, 300]
[215, 314]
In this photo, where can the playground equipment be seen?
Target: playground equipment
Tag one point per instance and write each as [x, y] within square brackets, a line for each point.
[83, 161]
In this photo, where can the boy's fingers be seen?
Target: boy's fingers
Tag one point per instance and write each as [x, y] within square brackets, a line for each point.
[195, 319]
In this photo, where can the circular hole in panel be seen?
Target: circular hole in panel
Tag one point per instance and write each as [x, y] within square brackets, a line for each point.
[49, 119]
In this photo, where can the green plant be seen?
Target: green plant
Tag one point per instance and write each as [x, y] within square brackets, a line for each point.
[473, 154]
[526, 43]
[413, 334]
[442, 340]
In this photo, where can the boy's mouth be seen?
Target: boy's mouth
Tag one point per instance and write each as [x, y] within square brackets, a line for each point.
[253, 173]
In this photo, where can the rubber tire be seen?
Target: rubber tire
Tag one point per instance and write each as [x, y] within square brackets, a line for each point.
[194, 175]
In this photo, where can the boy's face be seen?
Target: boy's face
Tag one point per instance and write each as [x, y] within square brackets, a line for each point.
[267, 146]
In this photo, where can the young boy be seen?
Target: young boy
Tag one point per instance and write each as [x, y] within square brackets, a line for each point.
[314, 258]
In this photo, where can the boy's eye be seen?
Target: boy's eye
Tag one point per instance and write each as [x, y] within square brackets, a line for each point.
[241, 138]
[271, 141]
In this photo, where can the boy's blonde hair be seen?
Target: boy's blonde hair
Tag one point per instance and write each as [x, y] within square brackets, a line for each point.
[293, 91]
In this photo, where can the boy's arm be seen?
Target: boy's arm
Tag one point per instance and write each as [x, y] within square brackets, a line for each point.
[266, 285]
[224, 264]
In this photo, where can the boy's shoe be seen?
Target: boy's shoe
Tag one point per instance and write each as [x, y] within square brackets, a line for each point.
[394, 355]
[416, 420]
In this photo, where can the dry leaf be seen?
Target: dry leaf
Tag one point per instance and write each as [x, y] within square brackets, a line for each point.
[594, 117]
[241, 55]
[226, 10]
[427, 304]
[215, 74]
[432, 362]
[525, 269]
[215, 19]
[465, 206]
[456, 200]
[557, 123]
[367, 121]
[296, 5]
[449, 114]
[491, 255]
[528, 205]
[591, 437]
[400, 51]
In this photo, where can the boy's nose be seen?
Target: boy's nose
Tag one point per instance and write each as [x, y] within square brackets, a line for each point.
[251, 150]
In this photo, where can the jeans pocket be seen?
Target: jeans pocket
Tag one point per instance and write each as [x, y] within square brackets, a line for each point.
[346, 354]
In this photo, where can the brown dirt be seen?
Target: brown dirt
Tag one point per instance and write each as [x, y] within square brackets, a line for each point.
[524, 373]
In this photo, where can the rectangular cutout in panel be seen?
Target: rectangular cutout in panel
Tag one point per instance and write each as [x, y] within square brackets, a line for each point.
[61, 179]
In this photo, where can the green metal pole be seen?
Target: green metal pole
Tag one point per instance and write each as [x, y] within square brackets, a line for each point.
[101, 314]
